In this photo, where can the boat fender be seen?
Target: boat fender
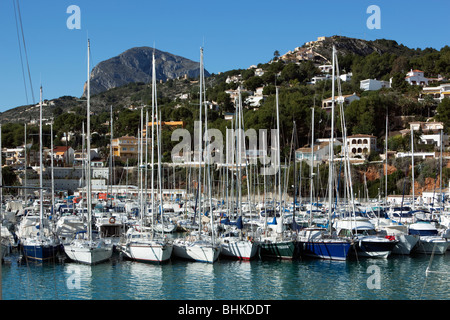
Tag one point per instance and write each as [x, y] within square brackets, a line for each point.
[112, 220]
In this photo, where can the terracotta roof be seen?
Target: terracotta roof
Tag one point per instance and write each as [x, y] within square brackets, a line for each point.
[60, 149]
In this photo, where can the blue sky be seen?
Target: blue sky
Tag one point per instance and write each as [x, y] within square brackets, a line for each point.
[234, 34]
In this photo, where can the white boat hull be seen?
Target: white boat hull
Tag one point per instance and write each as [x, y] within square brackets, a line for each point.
[431, 244]
[88, 254]
[198, 251]
[238, 249]
[405, 244]
[154, 251]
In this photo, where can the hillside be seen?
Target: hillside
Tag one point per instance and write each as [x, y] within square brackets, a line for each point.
[359, 47]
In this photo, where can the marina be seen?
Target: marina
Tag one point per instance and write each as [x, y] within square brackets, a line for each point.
[201, 234]
[229, 213]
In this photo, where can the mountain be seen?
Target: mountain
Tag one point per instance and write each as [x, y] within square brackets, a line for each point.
[135, 65]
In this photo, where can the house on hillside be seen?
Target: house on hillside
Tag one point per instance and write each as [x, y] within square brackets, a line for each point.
[346, 99]
[437, 93]
[416, 77]
[125, 147]
[361, 145]
[430, 132]
[63, 156]
[321, 151]
[13, 156]
[373, 84]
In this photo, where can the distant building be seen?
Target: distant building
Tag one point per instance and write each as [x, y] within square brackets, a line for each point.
[321, 151]
[346, 77]
[361, 144]
[437, 93]
[63, 156]
[416, 77]
[347, 99]
[431, 132]
[125, 148]
[326, 68]
[373, 84]
[14, 156]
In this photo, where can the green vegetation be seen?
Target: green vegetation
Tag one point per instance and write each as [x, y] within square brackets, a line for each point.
[296, 99]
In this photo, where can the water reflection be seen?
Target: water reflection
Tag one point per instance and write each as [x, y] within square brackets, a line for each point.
[399, 278]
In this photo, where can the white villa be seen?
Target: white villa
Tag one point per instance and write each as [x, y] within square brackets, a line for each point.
[416, 77]
[373, 84]
[347, 99]
[431, 132]
[437, 93]
[361, 144]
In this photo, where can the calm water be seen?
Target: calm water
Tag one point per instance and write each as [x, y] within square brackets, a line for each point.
[400, 278]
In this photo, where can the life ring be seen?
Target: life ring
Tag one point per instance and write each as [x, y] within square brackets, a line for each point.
[112, 220]
[205, 228]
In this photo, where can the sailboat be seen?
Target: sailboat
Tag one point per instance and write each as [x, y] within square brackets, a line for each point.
[319, 242]
[43, 245]
[84, 248]
[143, 243]
[233, 244]
[278, 243]
[199, 247]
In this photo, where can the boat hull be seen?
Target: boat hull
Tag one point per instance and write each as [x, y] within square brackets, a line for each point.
[196, 252]
[325, 249]
[238, 249]
[40, 252]
[148, 252]
[405, 244]
[88, 254]
[283, 250]
[431, 244]
[375, 247]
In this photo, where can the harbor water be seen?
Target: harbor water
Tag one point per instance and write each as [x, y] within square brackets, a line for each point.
[395, 278]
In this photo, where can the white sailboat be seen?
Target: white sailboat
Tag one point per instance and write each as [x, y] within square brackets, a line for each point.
[199, 247]
[85, 249]
[233, 244]
[43, 245]
[143, 244]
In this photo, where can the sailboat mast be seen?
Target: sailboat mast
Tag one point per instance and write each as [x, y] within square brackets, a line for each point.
[111, 154]
[330, 166]
[278, 156]
[412, 167]
[386, 160]
[88, 146]
[26, 164]
[53, 174]
[41, 195]
[312, 171]
[200, 152]
[441, 198]
[153, 137]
